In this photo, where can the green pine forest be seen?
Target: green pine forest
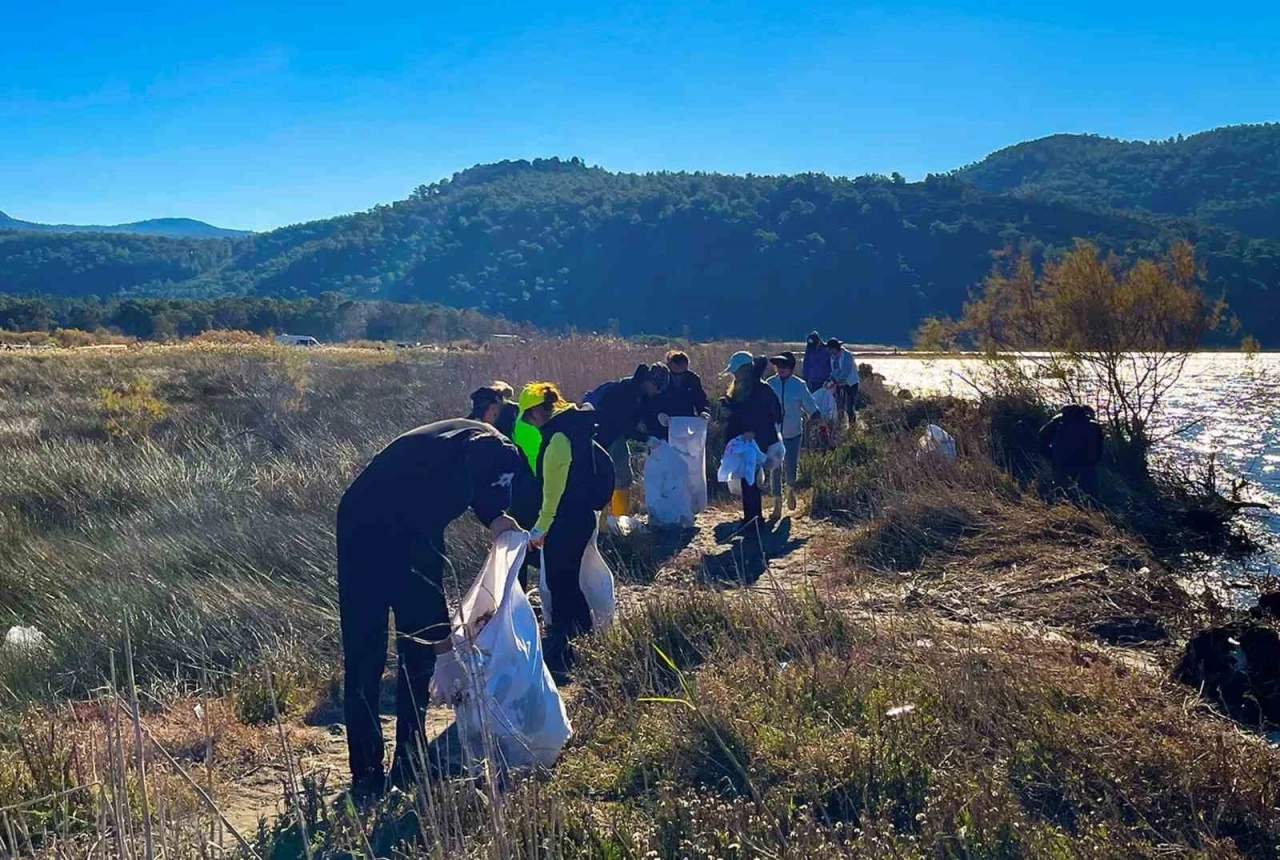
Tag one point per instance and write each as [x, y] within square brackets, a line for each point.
[557, 243]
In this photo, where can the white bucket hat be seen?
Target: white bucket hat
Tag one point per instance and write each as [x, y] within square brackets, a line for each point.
[738, 361]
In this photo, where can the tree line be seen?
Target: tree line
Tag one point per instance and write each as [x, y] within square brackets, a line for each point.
[328, 317]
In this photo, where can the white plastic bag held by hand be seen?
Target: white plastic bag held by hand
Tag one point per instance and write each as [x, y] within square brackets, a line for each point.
[826, 400]
[513, 712]
[666, 487]
[742, 461]
[596, 581]
[689, 437]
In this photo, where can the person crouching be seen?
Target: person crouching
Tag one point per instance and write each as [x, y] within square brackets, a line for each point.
[577, 478]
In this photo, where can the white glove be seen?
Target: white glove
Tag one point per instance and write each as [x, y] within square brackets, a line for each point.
[450, 682]
[664, 419]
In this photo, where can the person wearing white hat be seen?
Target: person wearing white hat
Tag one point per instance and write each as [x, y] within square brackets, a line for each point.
[753, 413]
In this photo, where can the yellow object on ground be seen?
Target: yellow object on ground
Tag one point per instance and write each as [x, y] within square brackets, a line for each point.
[621, 503]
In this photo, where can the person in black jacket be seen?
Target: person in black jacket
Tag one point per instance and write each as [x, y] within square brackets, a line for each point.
[685, 392]
[1072, 440]
[391, 555]
[494, 404]
[577, 480]
[621, 415]
[752, 410]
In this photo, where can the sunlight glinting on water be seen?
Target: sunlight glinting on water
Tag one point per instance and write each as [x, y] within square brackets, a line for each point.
[1225, 404]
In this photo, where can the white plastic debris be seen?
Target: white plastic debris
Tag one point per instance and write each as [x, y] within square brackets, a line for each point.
[900, 711]
[26, 639]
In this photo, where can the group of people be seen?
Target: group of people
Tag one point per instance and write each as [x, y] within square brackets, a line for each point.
[538, 462]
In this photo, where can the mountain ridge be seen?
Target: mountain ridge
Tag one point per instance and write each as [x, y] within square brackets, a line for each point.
[181, 228]
[560, 244]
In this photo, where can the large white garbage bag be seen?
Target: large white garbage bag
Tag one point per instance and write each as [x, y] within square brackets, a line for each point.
[689, 437]
[514, 714]
[826, 400]
[596, 581]
[666, 487]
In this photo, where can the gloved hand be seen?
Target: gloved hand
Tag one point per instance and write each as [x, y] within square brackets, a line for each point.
[664, 419]
[537, 538]
[450, 682]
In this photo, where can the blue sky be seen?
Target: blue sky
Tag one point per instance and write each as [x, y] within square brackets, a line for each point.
[255, 115]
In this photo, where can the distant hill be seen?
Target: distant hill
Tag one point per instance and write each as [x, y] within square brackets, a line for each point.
[560, 244]
[1228, 176]
[183, 228]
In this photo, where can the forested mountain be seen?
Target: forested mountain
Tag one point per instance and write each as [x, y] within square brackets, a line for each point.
[560, 244]
[177, 227]
[1228, 176]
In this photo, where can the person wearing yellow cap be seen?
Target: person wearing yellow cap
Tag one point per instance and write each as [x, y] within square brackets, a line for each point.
[577, 482]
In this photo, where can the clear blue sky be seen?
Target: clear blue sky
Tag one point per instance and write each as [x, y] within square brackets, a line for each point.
[256, 115]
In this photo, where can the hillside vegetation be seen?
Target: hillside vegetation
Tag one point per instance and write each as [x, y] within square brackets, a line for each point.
[557, 244]
[1228, 176]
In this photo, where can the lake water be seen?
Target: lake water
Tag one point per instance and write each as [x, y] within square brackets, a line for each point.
[1225, 404]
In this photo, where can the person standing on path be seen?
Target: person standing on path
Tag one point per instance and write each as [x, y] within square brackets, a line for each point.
[817, 362]
[844, 373]
[577, 481]
[391, 556]
[753, 413]
[797, 404]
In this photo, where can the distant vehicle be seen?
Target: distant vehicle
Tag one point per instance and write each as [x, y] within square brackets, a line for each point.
[296, 340]
[404, 344]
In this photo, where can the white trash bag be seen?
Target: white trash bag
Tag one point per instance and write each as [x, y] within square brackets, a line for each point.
[594, 578]
[666, 487]
[689, 437]
[514, 714]
[25, 639]
[827, 406]
[937, 441]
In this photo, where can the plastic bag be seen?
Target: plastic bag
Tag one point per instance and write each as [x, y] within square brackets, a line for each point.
[596, 581]
[666, 487]
[935, 440]
[775, 456]
[827, 406]
[742, 461]
[689, 437]
[514, 715]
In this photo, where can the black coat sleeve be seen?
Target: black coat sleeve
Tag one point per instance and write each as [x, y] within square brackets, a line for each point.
[701, 404]
[496, 469]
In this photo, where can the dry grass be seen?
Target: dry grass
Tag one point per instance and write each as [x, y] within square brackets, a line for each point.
[708, 726]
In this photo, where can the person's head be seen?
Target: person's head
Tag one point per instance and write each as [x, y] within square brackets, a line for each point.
[657, 380]
[677, 362]
[814, 341]
[834, 346]
[742, 367]
[784, 364]
[487, 401]
[540, 402]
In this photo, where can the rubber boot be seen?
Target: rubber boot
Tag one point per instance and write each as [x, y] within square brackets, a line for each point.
[621, 504]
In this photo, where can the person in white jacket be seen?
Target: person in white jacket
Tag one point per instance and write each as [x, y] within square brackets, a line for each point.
[797, 405]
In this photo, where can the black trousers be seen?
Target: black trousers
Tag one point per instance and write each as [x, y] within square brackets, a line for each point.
[566, 541]
[379, 570]
[847, 395]
[751, 503]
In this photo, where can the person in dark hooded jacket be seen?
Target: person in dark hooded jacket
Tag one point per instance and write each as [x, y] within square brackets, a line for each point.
[1072, 440]
[622, 415]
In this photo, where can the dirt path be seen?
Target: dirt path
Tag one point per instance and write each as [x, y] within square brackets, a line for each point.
[717, 554]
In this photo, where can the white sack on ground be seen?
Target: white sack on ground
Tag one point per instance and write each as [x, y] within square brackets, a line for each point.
[935, 440]
[667, 494]
[514, 714]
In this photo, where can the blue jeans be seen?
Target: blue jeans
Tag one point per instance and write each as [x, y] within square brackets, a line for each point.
[790, 465]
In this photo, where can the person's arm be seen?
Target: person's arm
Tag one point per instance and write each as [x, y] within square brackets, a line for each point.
[555, 477]
[493, 464]
[808, 406]
[701, 404]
